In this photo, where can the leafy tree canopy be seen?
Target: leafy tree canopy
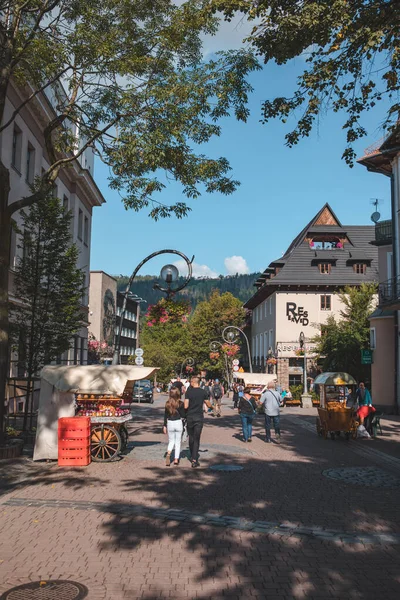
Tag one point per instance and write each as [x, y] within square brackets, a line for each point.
[340, 343]
[352, 52]
[129, 77]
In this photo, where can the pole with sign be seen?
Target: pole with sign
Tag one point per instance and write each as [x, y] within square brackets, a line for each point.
[139, 360]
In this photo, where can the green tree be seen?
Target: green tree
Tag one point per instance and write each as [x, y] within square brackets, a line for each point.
[207, 324]
[165, 337]
[131, 79]
[340, 343]
[49, 287]
[351, 49]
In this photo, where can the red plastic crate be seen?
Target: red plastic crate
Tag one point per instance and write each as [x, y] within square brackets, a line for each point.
[74, 422]
[83, 444]
[73, 434]
[73, 452]
[72, 461]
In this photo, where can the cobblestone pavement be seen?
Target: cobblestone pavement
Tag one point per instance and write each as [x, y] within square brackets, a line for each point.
[278, 528]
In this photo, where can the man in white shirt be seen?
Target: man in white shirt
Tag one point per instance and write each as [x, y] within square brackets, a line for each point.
[271, 402]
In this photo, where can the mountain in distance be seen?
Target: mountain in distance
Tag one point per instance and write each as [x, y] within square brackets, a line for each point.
[241, 286]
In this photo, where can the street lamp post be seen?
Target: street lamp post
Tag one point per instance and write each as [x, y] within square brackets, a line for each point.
[230, 334]
[169, 274]
[213, 347]
[306, 401]
[188, 362]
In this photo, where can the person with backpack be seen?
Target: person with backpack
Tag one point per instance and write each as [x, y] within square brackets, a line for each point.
[247, 411]
[217, 393]
[271, 402]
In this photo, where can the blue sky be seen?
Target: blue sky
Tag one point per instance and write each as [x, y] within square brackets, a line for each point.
[281, 189]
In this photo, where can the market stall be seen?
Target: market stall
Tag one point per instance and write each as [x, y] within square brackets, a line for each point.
[256, 381]
[334, 416]
[94, 391]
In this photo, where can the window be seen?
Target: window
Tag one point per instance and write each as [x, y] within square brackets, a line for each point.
[325, 302]
[86, 232]
[16, 148]
[270, 306]
[65, 203]
[372, 338]
[265, 308]
[296, 362]
[80, 224]
[360, 268]
[271, 339]
[294, 379]
[30, 164]
[324, 268]
[260, 312]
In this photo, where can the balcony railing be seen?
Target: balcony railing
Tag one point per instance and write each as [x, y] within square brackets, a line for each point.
[389, 291]
[383, 232]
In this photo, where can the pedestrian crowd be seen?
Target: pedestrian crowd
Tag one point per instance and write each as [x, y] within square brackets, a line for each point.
[188, 402]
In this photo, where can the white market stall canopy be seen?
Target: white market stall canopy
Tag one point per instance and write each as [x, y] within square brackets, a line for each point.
[335, 379]
[57, 396]
[255, 378]
[94, 378]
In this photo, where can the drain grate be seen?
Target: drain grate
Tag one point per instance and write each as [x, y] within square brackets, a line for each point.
[47, 590]
[225, 468]
[366, 476]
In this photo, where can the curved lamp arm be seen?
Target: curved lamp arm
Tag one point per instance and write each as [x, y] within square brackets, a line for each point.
[156, 286]
[245, 337]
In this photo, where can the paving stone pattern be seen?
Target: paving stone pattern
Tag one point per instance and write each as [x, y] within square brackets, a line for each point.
[171, 514]
[277, 529]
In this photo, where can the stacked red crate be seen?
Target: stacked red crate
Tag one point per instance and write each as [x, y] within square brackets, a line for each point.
[74, 442]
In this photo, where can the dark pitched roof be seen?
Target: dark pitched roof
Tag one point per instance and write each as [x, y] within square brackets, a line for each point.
[300, 262]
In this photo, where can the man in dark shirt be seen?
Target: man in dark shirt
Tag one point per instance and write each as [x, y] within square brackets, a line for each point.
[194, 400]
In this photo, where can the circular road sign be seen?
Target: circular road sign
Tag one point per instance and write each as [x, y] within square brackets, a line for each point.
[139, 360]
[139, 352]
[235, 362]
[236, 368]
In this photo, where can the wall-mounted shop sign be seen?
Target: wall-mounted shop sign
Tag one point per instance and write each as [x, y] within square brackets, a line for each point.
[291, 349]
[297, 314]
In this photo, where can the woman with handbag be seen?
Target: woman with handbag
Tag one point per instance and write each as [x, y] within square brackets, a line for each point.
[173, 425]
[247, 410]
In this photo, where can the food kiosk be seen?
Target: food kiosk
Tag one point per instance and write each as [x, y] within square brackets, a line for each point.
[334, 416]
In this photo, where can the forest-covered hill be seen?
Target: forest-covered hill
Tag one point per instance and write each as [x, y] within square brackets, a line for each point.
[240, 286]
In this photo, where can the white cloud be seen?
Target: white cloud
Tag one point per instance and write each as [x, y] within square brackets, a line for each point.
[198, 270]
[236, 264]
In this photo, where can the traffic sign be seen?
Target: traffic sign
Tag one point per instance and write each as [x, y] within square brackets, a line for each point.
[139, 360]
[235, 362]
[236, 368]
[366, 357]
[139, 352]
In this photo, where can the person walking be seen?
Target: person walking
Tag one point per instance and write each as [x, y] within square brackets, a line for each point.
[173, 425]
[179, 385]
[271, 401]
[195, 398]
[247, 410]
[365, 408]
[235, 395]
[217, 393]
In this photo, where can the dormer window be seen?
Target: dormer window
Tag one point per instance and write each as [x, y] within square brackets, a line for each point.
[324, 268]
[360, 268]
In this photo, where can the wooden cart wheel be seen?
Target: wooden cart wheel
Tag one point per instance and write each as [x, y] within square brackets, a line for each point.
[123, 432]
[105, 443]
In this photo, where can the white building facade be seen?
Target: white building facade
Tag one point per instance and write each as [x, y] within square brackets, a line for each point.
[23, 153]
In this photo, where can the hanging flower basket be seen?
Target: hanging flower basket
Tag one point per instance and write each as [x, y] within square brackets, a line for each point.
[271, 361]
[299, 352]
[214, 355]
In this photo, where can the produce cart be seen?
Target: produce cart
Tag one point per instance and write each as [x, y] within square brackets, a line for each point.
[109, 434]
[94, 391]
[334, 416]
